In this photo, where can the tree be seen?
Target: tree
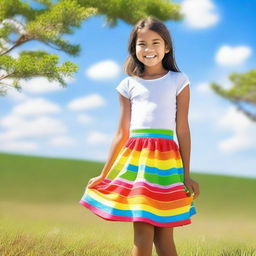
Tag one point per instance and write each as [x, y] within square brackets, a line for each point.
[243, 92]
[49, 23]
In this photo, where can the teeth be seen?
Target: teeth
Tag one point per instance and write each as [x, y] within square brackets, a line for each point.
[150, 56]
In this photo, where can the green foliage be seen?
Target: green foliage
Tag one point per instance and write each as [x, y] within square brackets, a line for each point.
[31, 64]
[10, 8]
[243, 90]
[132, 10]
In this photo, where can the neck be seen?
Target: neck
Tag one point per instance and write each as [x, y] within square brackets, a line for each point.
[154, 71]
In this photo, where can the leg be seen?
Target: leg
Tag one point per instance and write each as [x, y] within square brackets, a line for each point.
[143, 239]
[164, 243]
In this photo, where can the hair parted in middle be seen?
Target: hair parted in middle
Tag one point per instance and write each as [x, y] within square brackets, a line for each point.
[133, 66]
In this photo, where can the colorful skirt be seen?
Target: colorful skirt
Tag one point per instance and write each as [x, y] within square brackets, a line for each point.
[145, 183]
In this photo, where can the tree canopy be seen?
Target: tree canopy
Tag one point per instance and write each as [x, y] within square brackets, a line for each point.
[242, 93]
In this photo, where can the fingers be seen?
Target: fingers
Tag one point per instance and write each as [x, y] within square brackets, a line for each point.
[90, 183]
[93, 182]
[196, 191]
[193, 190]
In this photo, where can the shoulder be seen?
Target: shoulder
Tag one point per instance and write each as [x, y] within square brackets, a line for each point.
[182, 80]
[123, 87]
[179, 75]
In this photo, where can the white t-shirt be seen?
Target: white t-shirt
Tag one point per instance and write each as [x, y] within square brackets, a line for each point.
[153, 101]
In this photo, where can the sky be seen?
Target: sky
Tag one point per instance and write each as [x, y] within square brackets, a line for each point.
[79, 121]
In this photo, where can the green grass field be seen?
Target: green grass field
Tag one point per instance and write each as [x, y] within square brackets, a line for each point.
[40, 213]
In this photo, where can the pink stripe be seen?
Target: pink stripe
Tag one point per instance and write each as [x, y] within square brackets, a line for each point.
[111, 217]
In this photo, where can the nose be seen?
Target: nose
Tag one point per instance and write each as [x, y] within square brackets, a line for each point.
[148, 50]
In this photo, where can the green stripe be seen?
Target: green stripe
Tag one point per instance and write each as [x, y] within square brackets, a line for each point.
[150, 177]
[153, 178]
[149, 130]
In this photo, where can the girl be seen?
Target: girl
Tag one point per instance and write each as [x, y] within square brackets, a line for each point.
[146, 178]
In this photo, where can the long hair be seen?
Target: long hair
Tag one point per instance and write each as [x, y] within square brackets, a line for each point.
[132, 65]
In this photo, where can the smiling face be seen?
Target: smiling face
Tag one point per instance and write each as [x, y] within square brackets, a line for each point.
[150, 48]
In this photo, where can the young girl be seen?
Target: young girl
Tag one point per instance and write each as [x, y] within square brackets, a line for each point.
[146, 178]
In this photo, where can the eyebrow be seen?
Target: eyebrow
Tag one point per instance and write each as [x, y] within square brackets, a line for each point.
[156, 39]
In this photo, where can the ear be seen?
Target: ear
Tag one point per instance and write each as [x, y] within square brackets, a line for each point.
[167, 49]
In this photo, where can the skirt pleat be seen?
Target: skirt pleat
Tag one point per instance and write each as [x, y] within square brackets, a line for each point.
[145, 183]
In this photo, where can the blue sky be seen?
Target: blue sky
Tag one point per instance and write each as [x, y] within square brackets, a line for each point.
[79, 121]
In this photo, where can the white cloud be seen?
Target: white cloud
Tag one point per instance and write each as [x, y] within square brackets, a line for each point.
[107, 69]
[11, 121]
[203, 87]
[19, 128]
[12, 93]
[87, 102]
[95, 138]
[232, 56]
[16, 95]
[41, 85]
[37, 106]
[62, 141]
[18, 146]
[243, 129]
[84, 119]
[199, 13]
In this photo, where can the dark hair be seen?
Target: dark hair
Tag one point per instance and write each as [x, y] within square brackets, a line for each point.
[132, 65]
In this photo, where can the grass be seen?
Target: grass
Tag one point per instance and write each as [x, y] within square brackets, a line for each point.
[40, 213]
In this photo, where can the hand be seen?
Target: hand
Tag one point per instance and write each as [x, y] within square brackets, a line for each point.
[94, 181]
[192, 186]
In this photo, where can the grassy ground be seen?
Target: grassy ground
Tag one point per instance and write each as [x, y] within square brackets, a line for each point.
[40, 213]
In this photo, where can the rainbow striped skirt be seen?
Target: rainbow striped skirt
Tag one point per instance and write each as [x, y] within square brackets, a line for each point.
[145, 183]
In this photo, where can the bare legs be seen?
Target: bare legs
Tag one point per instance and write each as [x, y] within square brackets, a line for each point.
[146, 234]
[143, 239]
[164, 243]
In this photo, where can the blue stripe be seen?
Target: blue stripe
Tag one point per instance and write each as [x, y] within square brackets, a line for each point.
[138, 213]
[165, 136]
[155, 170]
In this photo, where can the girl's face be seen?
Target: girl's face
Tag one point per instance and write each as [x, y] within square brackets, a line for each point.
[150, 47]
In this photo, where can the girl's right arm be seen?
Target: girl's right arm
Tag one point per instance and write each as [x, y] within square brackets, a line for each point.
[121, 136]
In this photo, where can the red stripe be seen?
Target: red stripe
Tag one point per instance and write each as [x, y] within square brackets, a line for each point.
[138, 191]
[161, 144]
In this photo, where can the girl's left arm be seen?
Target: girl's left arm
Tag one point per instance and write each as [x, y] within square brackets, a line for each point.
[182, 128]
[184, 138]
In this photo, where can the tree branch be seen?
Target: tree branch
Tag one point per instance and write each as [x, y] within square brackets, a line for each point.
[23, 39]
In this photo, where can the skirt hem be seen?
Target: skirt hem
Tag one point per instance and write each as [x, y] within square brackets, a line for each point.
[107, 217]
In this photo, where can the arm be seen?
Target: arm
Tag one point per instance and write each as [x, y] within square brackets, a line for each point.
[184, 139]
[122, 133]
[182, 128]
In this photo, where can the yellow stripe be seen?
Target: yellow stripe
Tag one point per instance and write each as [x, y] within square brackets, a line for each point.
[134, 204]
[151, 162]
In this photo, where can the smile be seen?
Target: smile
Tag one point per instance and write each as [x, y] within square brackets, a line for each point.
[150, 56]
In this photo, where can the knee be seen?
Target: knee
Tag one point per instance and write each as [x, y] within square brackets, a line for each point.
[144, 234]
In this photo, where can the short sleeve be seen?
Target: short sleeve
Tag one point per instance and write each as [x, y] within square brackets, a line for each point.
[183, 81]
[123, 88]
